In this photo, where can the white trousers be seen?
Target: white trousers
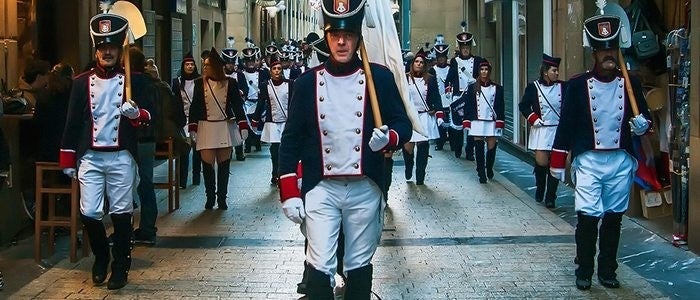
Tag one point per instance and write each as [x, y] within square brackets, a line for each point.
[111, 173]
[603, 181]
[357, 203]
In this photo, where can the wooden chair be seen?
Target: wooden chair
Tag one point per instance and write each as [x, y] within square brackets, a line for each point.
[166, 150]
[51, 190]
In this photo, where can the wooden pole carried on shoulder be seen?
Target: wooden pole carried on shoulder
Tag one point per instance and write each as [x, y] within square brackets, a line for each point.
[628, 83]
[370, 86]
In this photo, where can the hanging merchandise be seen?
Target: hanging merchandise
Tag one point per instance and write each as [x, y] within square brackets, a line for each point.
[678, 64]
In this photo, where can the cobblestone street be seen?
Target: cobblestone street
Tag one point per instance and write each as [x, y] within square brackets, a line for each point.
[452, 238]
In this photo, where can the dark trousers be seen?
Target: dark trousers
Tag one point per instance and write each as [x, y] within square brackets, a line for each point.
[274, 156]
[456, 141]
[185, 166]
[145, 189]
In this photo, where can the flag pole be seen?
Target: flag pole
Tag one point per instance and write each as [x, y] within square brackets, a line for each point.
[370, 86]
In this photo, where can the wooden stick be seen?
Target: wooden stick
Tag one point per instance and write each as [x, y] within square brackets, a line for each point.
[628, 83]
[370, 86]
[127, 72]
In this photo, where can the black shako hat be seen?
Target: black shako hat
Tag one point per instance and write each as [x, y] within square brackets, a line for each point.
[108, 29]
[602, 32]
[550, 60]
[229, 55]
[343, 15]
[441, 50]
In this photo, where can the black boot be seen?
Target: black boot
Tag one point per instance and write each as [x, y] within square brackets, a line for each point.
[552, 185]
[359, 283]
[319, 285]
[456, 141]
[422, 153]
[100, 247]
[301, 286]
[490, 160]
[608, 244]
[258, 145]
[121, 251]
[209, 185]
[240, 156]
[196, 165]
[408, 162]
[388, 169]
[222, 184]
[469, 149]
[540, 182]
[586, 236]
[274, 156]
[479, 156]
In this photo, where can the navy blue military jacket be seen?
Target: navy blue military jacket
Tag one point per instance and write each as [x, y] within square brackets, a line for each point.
[473, 111]
[234, 103]
[264, 106]
[529, 105]
[454, 72]
[304, 139]
[581, 128]
[94, 120]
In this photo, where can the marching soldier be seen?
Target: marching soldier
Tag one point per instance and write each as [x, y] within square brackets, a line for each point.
[423, 91]
[464, 69]
[596, 128]
[341, 155]
[183, 87]
[440, 70]
[484, 115]
[230, 57]
[541, 106]
[271, 54]
[99, 145]
[274, 100]
[287, 55]
[250, 78]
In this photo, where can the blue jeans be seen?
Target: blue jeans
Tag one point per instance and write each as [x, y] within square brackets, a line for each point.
[145, 191]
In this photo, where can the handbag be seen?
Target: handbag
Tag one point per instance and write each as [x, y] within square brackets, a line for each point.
[645, 43]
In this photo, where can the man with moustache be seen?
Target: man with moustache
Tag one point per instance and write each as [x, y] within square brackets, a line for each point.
[341, 154]
[99, 146]
[596, 128]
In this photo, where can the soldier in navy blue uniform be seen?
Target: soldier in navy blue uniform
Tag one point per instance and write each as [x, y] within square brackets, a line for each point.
[274, 103]
[484, 117]
[249, 79]
[271, 54]
[464, 69]
[541, 106]
[99, 146]
[341, 153]
[230, 57]
[440, 70]
[596, 128]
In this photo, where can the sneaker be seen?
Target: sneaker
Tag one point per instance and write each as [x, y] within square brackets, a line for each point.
[679, 240]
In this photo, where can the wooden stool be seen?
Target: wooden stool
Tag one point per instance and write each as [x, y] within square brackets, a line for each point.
[166, 151]
[52, 220]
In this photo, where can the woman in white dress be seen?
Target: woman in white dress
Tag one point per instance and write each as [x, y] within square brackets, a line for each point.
[274, 102]
[216, 105]
[423, 91]
[484, 115]
[541, 106]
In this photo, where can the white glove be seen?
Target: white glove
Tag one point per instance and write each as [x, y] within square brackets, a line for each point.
[193, 136]
[244, 134]
[538, 123]
[639, 125]
[71, 172]
[440, 122]
[129, 111]
[294, 210]
[379, 138]
[558, 173]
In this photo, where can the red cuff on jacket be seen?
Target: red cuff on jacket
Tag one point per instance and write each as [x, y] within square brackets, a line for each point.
[288, 187]
[192, 127]
[144, 115]
[66, 158]
[243, 124]
[500, 124]
[467, 124]
[532, 118]
[440, 114]
[254, 123]
[393, 140]
[558, 159]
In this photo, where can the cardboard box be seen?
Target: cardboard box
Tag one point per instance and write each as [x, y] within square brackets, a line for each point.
[655, 204]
